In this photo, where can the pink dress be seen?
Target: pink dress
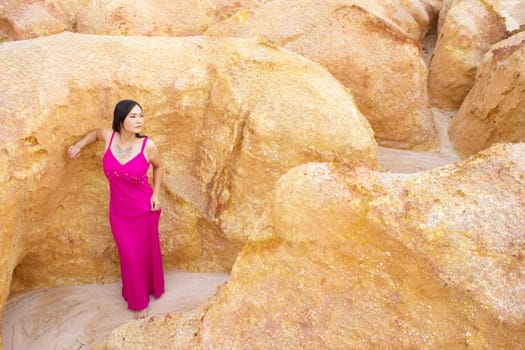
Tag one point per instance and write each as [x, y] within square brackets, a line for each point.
[135, 228]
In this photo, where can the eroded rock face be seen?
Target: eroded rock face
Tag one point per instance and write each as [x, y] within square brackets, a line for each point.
[401, 262]
[149, 17]
[230, 116]
[172, 331]
[364, 44]
[65, 10]
[412, 18]
[494, 110]
[349, 258]
[514, 13]
[157, 17]
[467, 30]
[24, 20]
[228, 8]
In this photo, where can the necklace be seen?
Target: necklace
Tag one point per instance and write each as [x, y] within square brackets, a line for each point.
[123, 153]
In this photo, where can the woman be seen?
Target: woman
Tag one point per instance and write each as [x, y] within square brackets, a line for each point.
[134, 206]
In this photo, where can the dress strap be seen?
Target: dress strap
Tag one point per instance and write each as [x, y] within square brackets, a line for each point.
[111, 139]
[144, 144]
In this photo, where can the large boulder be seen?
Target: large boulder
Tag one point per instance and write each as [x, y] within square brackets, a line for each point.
[27, 19]
[230, 116]
[64, 10]
[413, 18]
[366, 45]
[467, 29]
[494, 110]
[157, 17]
[352, 259]
[349, 258]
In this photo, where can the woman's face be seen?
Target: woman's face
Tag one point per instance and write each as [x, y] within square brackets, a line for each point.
[134, 121]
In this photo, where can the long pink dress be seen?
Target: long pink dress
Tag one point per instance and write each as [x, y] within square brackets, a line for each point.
[135, 228]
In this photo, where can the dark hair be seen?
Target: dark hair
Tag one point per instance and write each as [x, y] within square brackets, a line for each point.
[122, 109]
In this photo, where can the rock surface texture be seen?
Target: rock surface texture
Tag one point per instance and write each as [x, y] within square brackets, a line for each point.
[494, 110]
[268, 125]
[24, 20]
[157, 17]
[95, 310]
[230, 116]
[366, 45]
[514, 13]
[426, 260]
[467, 30]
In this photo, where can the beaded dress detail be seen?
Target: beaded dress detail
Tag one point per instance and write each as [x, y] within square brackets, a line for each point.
[135, 227]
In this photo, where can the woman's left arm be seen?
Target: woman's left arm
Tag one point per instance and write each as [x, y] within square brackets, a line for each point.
[156, 162]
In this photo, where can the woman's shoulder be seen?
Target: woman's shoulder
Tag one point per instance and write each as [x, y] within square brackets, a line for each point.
[150, 144]
[151, 152]
[104, 134]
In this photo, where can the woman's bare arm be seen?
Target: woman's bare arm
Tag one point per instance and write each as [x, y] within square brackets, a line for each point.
[91, 137]
[156, 162]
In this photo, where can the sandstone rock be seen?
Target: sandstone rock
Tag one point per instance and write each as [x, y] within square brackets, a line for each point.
[354, 259]
[65, 10]
[148, 17]
[25, 20]
[173, 331]
[494, 110]
[364, 48]
[33, 18]
[230, 116]
[228, 8]
[157, 17]
[413, 18]
[467, 30]
[514, 13]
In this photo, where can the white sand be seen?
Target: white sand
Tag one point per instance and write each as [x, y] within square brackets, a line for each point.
[75, 317]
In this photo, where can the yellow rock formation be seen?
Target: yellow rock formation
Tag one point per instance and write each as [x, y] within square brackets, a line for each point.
[270, 165]
[349, 258]
[494, 110]
[513, 11]
[369, 49]
[27, 19]
[467, 30]
[157, 17]
[230, 116]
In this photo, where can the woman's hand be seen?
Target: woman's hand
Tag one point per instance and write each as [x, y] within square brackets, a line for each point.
[74, 151]
[91, 137]
[155, 202]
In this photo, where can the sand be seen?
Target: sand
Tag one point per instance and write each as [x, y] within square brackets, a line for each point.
[75, 317]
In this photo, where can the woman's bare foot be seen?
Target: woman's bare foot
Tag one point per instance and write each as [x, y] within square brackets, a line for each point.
[140, 314]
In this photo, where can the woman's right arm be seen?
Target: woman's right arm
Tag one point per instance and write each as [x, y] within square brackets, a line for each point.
[91, 137]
